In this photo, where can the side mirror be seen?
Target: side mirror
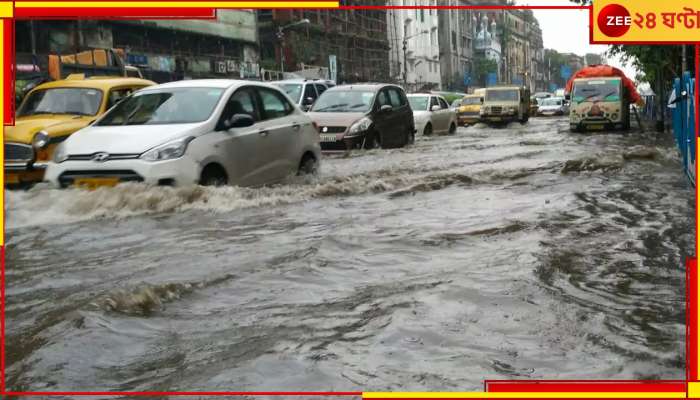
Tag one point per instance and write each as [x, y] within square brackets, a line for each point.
[385, 108]
[567, 97]
[238, 121]
[435, 108]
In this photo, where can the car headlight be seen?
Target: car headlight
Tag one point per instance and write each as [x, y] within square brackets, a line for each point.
[60, 154]
[40, 140]
[168, 151]
[359, 126]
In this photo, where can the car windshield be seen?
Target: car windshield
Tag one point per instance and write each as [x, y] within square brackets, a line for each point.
[73, 101]
[602, 90]
[418, 103]
[293, 90]
[344, 101]
[470, 101]
[502, 95]
[550, 102]
[171, 106]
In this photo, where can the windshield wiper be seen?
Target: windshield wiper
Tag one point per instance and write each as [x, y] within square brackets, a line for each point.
[358, 105]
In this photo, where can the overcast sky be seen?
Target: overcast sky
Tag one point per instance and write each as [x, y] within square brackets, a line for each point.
[566, 31]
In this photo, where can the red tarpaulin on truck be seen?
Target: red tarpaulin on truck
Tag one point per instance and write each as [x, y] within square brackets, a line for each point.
[606, 71]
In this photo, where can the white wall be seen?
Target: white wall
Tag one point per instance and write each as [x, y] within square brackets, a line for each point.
[423, 64]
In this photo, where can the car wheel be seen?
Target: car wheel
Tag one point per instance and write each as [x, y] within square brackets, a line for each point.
[308, 165]
[428, 130]
[453, 128]
[213, 175]
[372, 141]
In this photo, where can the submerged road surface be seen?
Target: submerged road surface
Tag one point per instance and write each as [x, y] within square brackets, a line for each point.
[520, 253]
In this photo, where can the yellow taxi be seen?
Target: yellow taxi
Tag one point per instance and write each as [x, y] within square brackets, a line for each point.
[53, 111]
[470, 108]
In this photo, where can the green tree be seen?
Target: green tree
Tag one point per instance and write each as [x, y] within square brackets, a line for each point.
[482, 67]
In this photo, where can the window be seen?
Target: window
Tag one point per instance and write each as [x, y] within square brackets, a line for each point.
[422, 15]
[383, 99]
[309, 91]
[394, 97]
[242, 102]
[433, 102]
[117, 95]
[454, 41]
[273, 104]
[320, 89]
[443, 103]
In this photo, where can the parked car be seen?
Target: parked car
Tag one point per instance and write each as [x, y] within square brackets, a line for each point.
[53, 111]
[304, 92]
[209, 132]
[553, 106]
[363, 116]
[432, 114]
[470, 108]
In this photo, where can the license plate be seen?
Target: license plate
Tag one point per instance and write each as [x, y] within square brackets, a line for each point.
[495, 119]
[596, 127]
[328, 138]
[11, 178]
[94, 183]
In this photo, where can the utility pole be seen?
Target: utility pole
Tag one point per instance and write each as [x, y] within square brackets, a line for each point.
[405, 67]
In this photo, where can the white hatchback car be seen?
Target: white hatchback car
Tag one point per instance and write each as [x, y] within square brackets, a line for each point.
[207, 132]
[432, 114]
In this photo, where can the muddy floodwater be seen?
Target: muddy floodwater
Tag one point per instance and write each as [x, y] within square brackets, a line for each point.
[520, 253]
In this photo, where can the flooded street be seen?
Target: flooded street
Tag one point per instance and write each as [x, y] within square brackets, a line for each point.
[520, 253]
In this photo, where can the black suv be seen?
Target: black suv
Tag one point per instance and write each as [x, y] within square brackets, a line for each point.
[367, 115]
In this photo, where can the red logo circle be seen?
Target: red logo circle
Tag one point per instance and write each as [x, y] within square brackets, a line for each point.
[614, 20]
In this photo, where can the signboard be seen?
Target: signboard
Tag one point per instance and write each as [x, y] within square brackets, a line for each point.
[565, 72]
[333, 67]
[491, 79]
[137, 59]
[645, 22]
[220, 67]
[467, 79]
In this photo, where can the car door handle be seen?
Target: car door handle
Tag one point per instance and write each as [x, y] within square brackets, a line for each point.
[296, 126]
[263, 133]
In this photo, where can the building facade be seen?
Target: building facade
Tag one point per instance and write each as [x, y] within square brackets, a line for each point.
[164, 50]
[455, 40]
[418, 65]
[352, 44]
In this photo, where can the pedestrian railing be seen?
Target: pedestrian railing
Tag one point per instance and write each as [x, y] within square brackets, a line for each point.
[684, 128]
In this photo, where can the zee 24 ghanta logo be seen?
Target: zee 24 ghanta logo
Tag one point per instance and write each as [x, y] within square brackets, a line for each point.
[615, 20]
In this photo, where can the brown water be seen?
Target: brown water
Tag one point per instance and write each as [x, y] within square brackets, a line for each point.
[519, 253]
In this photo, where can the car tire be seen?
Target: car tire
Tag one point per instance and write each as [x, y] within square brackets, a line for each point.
[308, 165]
[453, 128]
[428, 130]
[213, 175]
[372, 141]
